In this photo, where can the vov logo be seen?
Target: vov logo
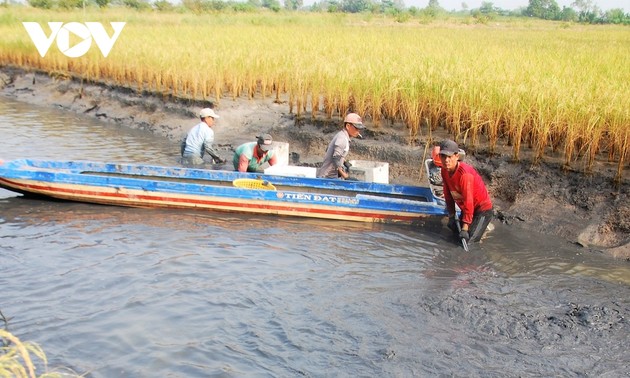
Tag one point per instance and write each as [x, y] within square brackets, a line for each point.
[85, 32]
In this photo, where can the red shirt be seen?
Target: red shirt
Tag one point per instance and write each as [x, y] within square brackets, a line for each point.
[466, 188]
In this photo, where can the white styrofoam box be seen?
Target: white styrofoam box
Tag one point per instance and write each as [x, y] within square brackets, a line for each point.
[281, 150]
[291, 170]
[370, 171]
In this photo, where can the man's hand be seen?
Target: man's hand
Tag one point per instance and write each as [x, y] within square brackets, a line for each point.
[463, 234]
[342, 173]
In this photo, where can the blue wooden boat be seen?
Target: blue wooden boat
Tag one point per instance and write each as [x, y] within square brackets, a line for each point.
[138, 185]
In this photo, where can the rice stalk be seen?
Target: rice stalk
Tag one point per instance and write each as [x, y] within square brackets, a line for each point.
[530, 85]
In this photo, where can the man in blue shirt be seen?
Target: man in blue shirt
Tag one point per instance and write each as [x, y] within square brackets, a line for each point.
[200, 140]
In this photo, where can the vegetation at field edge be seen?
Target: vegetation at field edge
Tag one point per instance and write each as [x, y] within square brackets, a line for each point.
[558, 89]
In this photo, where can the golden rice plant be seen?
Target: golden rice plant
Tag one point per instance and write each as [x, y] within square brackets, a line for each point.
[16, 361]
[539, 87]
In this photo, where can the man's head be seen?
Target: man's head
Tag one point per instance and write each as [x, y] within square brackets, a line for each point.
[207, 114]
[449, 148]
[264, 142]
[354, 125]
[449, 154]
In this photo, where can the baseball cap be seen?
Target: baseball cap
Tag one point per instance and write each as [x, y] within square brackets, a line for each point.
[264, 141]
[207, 112]
[448, 148]
[354, 119]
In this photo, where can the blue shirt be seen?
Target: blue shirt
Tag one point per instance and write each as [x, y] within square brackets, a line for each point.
[199, 140]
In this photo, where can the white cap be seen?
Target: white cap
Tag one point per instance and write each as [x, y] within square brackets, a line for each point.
[207, 112]
[354, 119]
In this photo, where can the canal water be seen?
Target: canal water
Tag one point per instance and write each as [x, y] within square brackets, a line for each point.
[121, 292]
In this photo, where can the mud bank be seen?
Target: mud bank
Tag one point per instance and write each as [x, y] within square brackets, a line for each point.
[589, 210]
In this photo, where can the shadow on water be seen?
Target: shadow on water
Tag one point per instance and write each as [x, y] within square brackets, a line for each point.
[138, 292]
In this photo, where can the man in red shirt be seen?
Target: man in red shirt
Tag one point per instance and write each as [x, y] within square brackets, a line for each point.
[463, 186]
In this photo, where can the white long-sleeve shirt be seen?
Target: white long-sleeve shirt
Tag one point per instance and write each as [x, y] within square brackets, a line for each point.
[200, 138]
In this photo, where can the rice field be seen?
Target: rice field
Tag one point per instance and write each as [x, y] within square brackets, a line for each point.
[542, 88]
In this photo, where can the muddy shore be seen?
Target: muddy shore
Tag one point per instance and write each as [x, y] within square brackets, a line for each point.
[589, 210]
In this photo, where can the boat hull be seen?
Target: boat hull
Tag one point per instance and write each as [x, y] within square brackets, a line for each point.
[181, 188]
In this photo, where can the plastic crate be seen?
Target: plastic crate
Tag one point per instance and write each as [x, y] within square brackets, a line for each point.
[370, 171]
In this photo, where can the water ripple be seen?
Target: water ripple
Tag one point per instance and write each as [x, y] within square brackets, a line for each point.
[135, 292]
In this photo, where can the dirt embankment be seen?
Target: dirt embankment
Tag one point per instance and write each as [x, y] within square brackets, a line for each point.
[586, 209]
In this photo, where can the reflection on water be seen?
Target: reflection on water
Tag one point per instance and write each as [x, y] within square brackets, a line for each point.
[29, 131]
[135, 292]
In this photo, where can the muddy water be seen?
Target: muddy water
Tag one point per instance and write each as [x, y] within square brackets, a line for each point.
[117, 292]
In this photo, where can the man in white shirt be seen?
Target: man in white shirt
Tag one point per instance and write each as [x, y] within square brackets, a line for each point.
[200, 140]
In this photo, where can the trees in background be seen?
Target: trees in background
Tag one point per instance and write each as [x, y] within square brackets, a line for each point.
[580, 11]
[585, 11]
[293, 4]
[545, 9]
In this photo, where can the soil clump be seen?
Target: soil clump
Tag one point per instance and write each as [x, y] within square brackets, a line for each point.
[590, 210]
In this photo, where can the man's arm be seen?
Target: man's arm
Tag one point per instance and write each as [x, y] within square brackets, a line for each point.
[273, 160]
[338, 158]
[448, 197]
[210, 150]
[243, 163]
[468, 208]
